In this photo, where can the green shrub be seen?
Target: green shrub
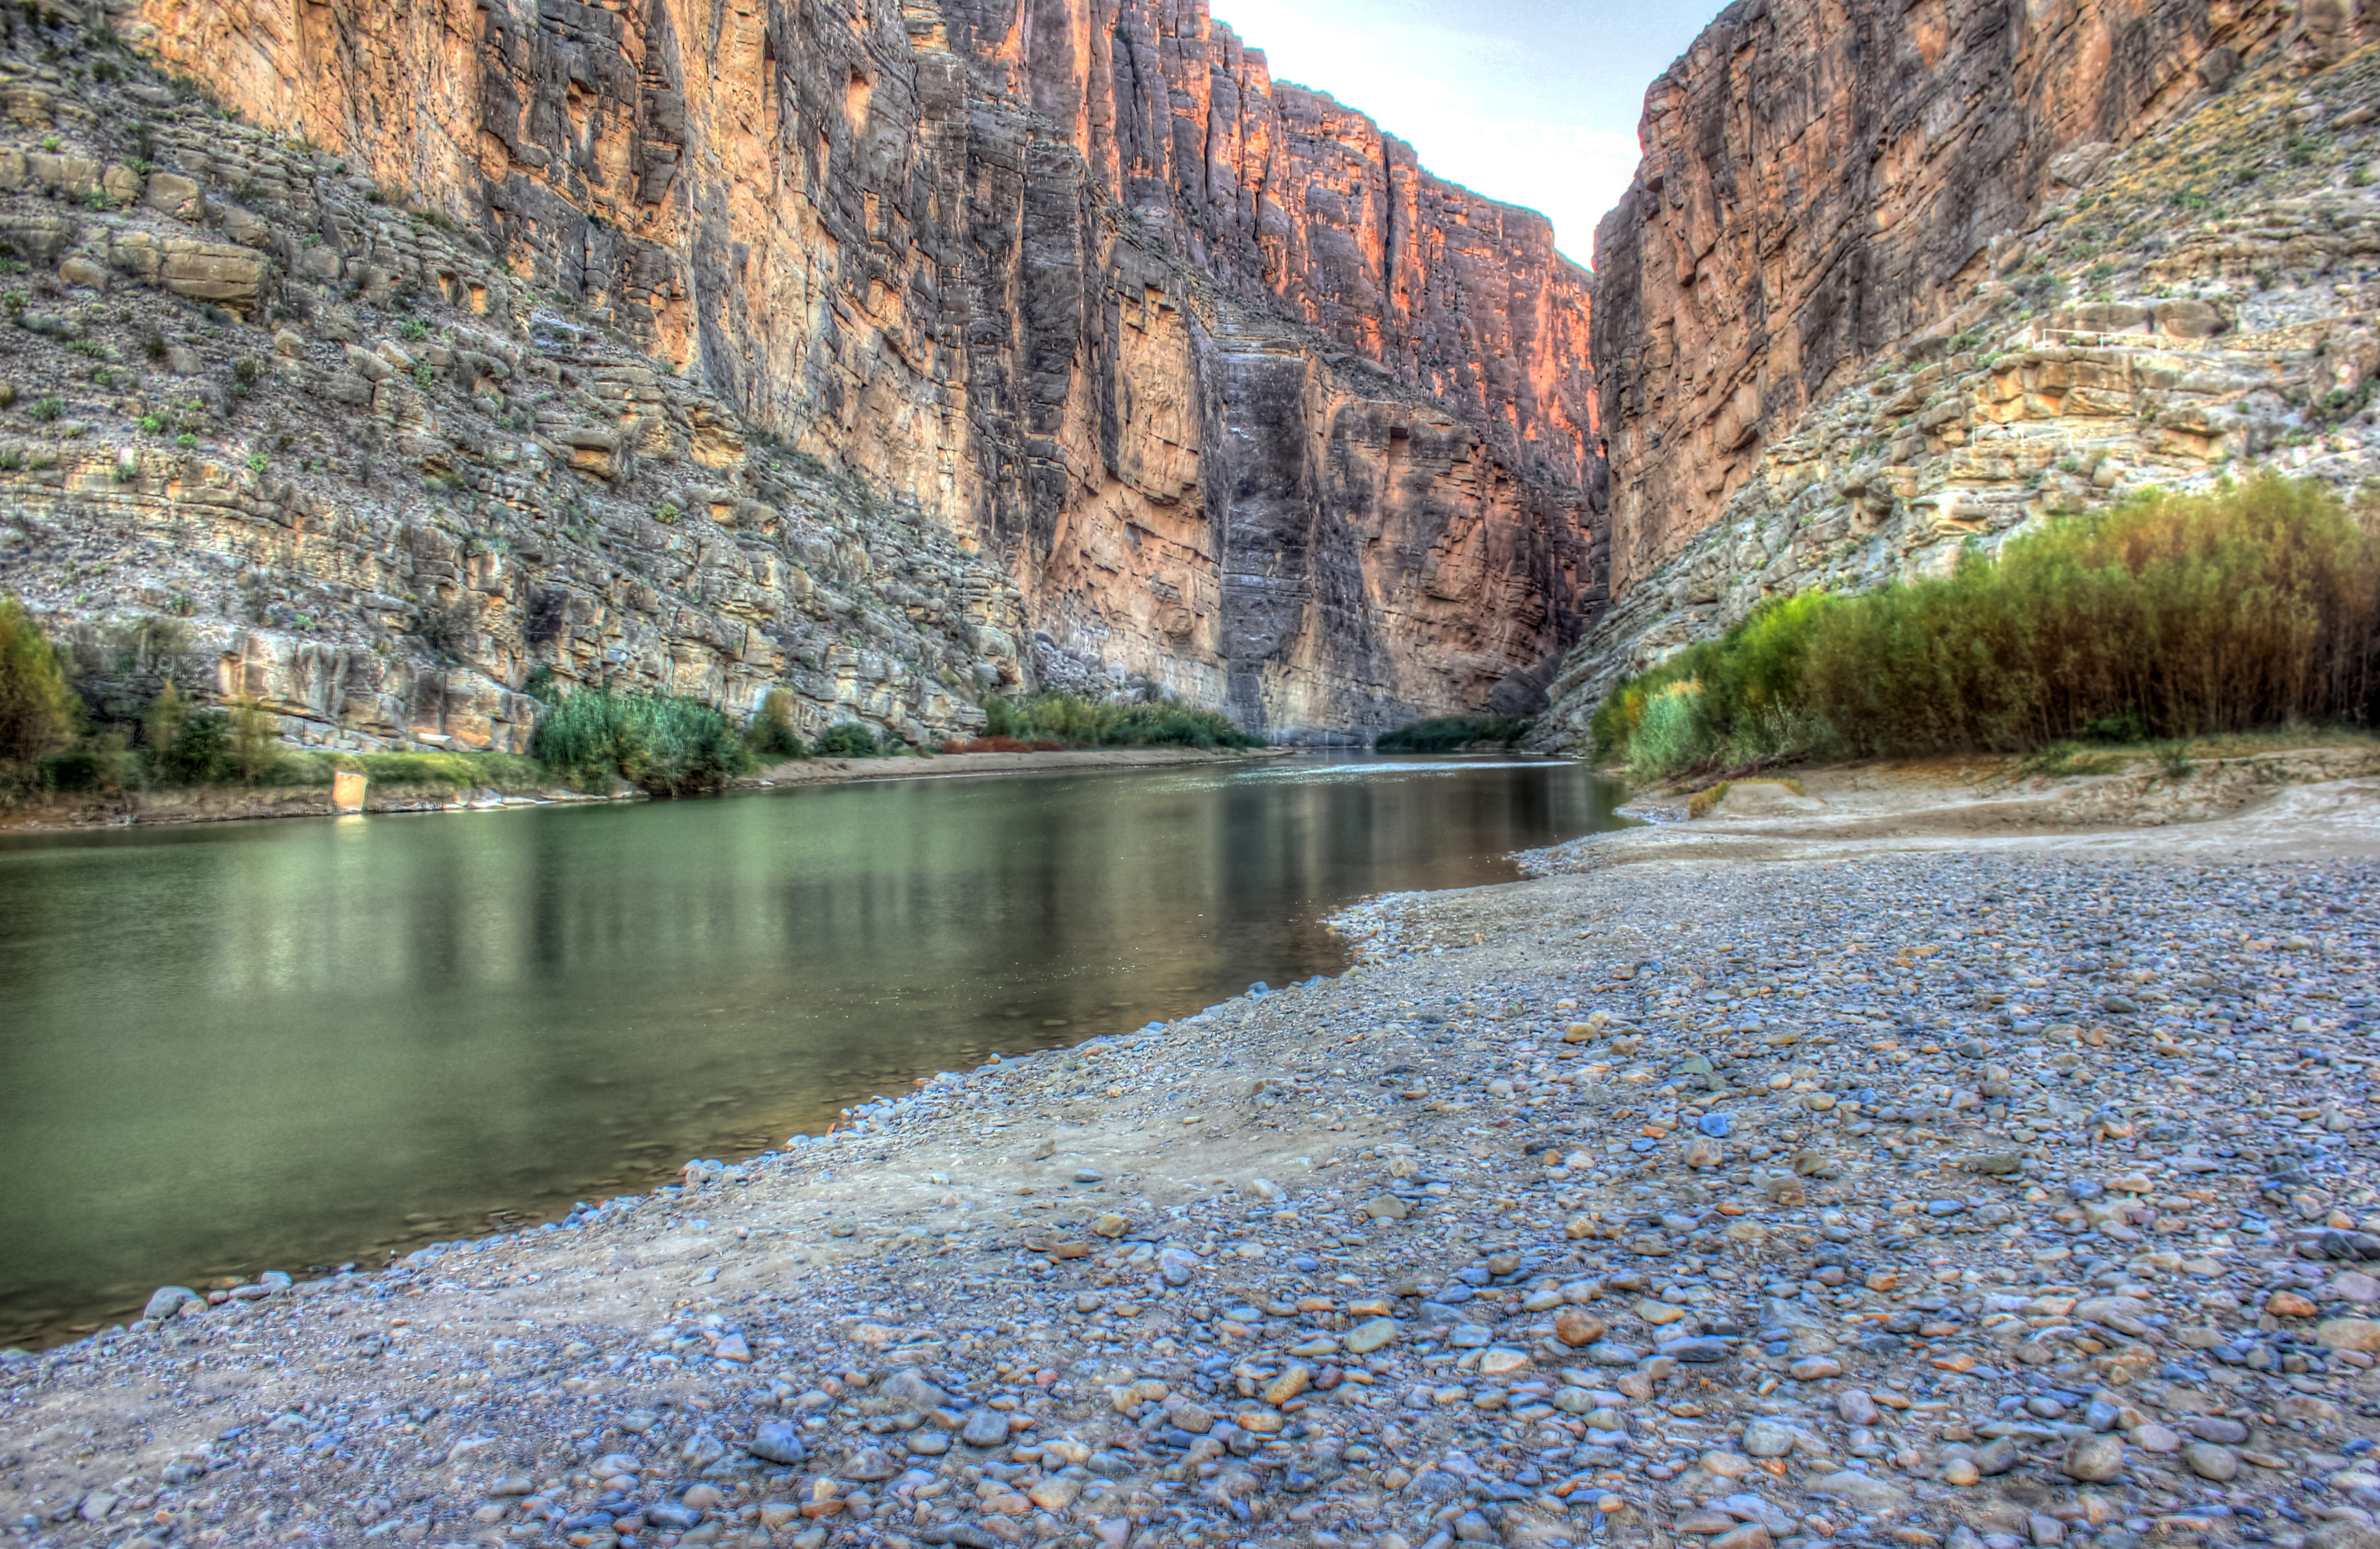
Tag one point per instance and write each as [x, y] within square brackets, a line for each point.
[39, 709]
[2171, 616]
[849, 739]
[662, 744]
[772, 734]
[99, 764]
[1002, 718]
[1674, 731]
[1071, 721]
[1453, 734]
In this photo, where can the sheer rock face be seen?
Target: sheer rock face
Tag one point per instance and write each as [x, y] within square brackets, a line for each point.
[1822, 182]
[1238, 396]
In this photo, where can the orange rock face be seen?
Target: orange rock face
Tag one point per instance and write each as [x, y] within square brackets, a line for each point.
[1820, 183]
[1239, 396]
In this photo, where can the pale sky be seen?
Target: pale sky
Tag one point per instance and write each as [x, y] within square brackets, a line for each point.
[1531, 101]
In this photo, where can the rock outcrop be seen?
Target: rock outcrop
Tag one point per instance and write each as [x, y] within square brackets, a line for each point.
[1821, 183]
[1851, 319]
[1237, 401]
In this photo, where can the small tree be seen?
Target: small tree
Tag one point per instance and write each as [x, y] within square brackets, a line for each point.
[255, 742]
[773, 735]
[164, 724]
[38, 706]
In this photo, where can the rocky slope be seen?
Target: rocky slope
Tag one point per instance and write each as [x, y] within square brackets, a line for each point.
[2039, 263]
[1055, 343]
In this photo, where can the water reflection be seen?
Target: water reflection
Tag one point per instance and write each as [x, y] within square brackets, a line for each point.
[302, 1043]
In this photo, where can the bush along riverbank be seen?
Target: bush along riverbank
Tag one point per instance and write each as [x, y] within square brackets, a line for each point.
[54, 747]
[2251, 607]
[1458, 734]
[175, 760]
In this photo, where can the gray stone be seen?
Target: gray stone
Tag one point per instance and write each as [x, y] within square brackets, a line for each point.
[910, 1387]
[1868, 1494]
[2210, 1461]
[870, 1463]
[169, 1300]
[777, 1441]
[985, 1428]
[2095, 1460]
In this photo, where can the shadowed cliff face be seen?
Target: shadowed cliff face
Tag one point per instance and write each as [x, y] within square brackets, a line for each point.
[1820, 183]
[1238, 396]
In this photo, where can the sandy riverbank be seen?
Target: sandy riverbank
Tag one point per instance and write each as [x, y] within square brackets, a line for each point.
[1783, 1177]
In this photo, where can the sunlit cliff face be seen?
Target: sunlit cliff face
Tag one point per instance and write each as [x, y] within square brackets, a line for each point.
[1239, 396]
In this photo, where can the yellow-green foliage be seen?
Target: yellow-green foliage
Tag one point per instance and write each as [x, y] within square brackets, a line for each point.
[1074, 722]
[2172, 616]
[1702, 803]
[38, 706]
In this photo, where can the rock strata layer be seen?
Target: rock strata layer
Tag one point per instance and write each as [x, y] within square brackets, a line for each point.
[1235, 399]
[1820, 185]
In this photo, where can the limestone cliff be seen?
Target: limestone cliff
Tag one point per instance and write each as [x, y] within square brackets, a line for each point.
[1201, 378]
[1894, 280]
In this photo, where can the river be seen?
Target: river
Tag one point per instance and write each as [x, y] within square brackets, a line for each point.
[300, 1044]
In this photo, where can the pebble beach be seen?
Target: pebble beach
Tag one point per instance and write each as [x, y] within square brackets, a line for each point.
[1983, 1196]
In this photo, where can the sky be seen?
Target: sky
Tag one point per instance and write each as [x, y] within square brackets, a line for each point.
[1531, 101]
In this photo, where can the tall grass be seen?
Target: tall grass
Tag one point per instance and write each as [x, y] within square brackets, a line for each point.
[1074, 723]
[1453, 734]
[2256, 605]
[662, 744]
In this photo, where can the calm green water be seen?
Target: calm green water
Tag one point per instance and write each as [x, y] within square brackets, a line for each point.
[303, 1042]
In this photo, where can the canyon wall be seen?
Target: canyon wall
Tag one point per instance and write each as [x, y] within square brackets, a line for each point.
[1893, 280]
[1821, 181]
[1241, 401]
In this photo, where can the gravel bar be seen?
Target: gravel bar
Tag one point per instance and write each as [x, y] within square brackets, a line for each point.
[1986, 1199]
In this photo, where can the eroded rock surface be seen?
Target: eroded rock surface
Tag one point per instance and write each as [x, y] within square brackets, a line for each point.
[1820, 185]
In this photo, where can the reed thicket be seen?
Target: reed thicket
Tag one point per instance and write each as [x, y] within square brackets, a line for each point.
[2254, 606]
[1068, 721]
[662, 743]
[1456, 734]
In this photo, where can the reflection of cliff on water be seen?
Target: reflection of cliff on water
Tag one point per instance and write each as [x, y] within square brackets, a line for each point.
[284, 1044]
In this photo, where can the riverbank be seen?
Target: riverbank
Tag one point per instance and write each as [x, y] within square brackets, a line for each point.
[1778, 1188]
[237, 804]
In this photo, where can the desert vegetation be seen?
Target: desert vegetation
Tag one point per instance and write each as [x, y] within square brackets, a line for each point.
[1456, 734]
[2253, 605]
